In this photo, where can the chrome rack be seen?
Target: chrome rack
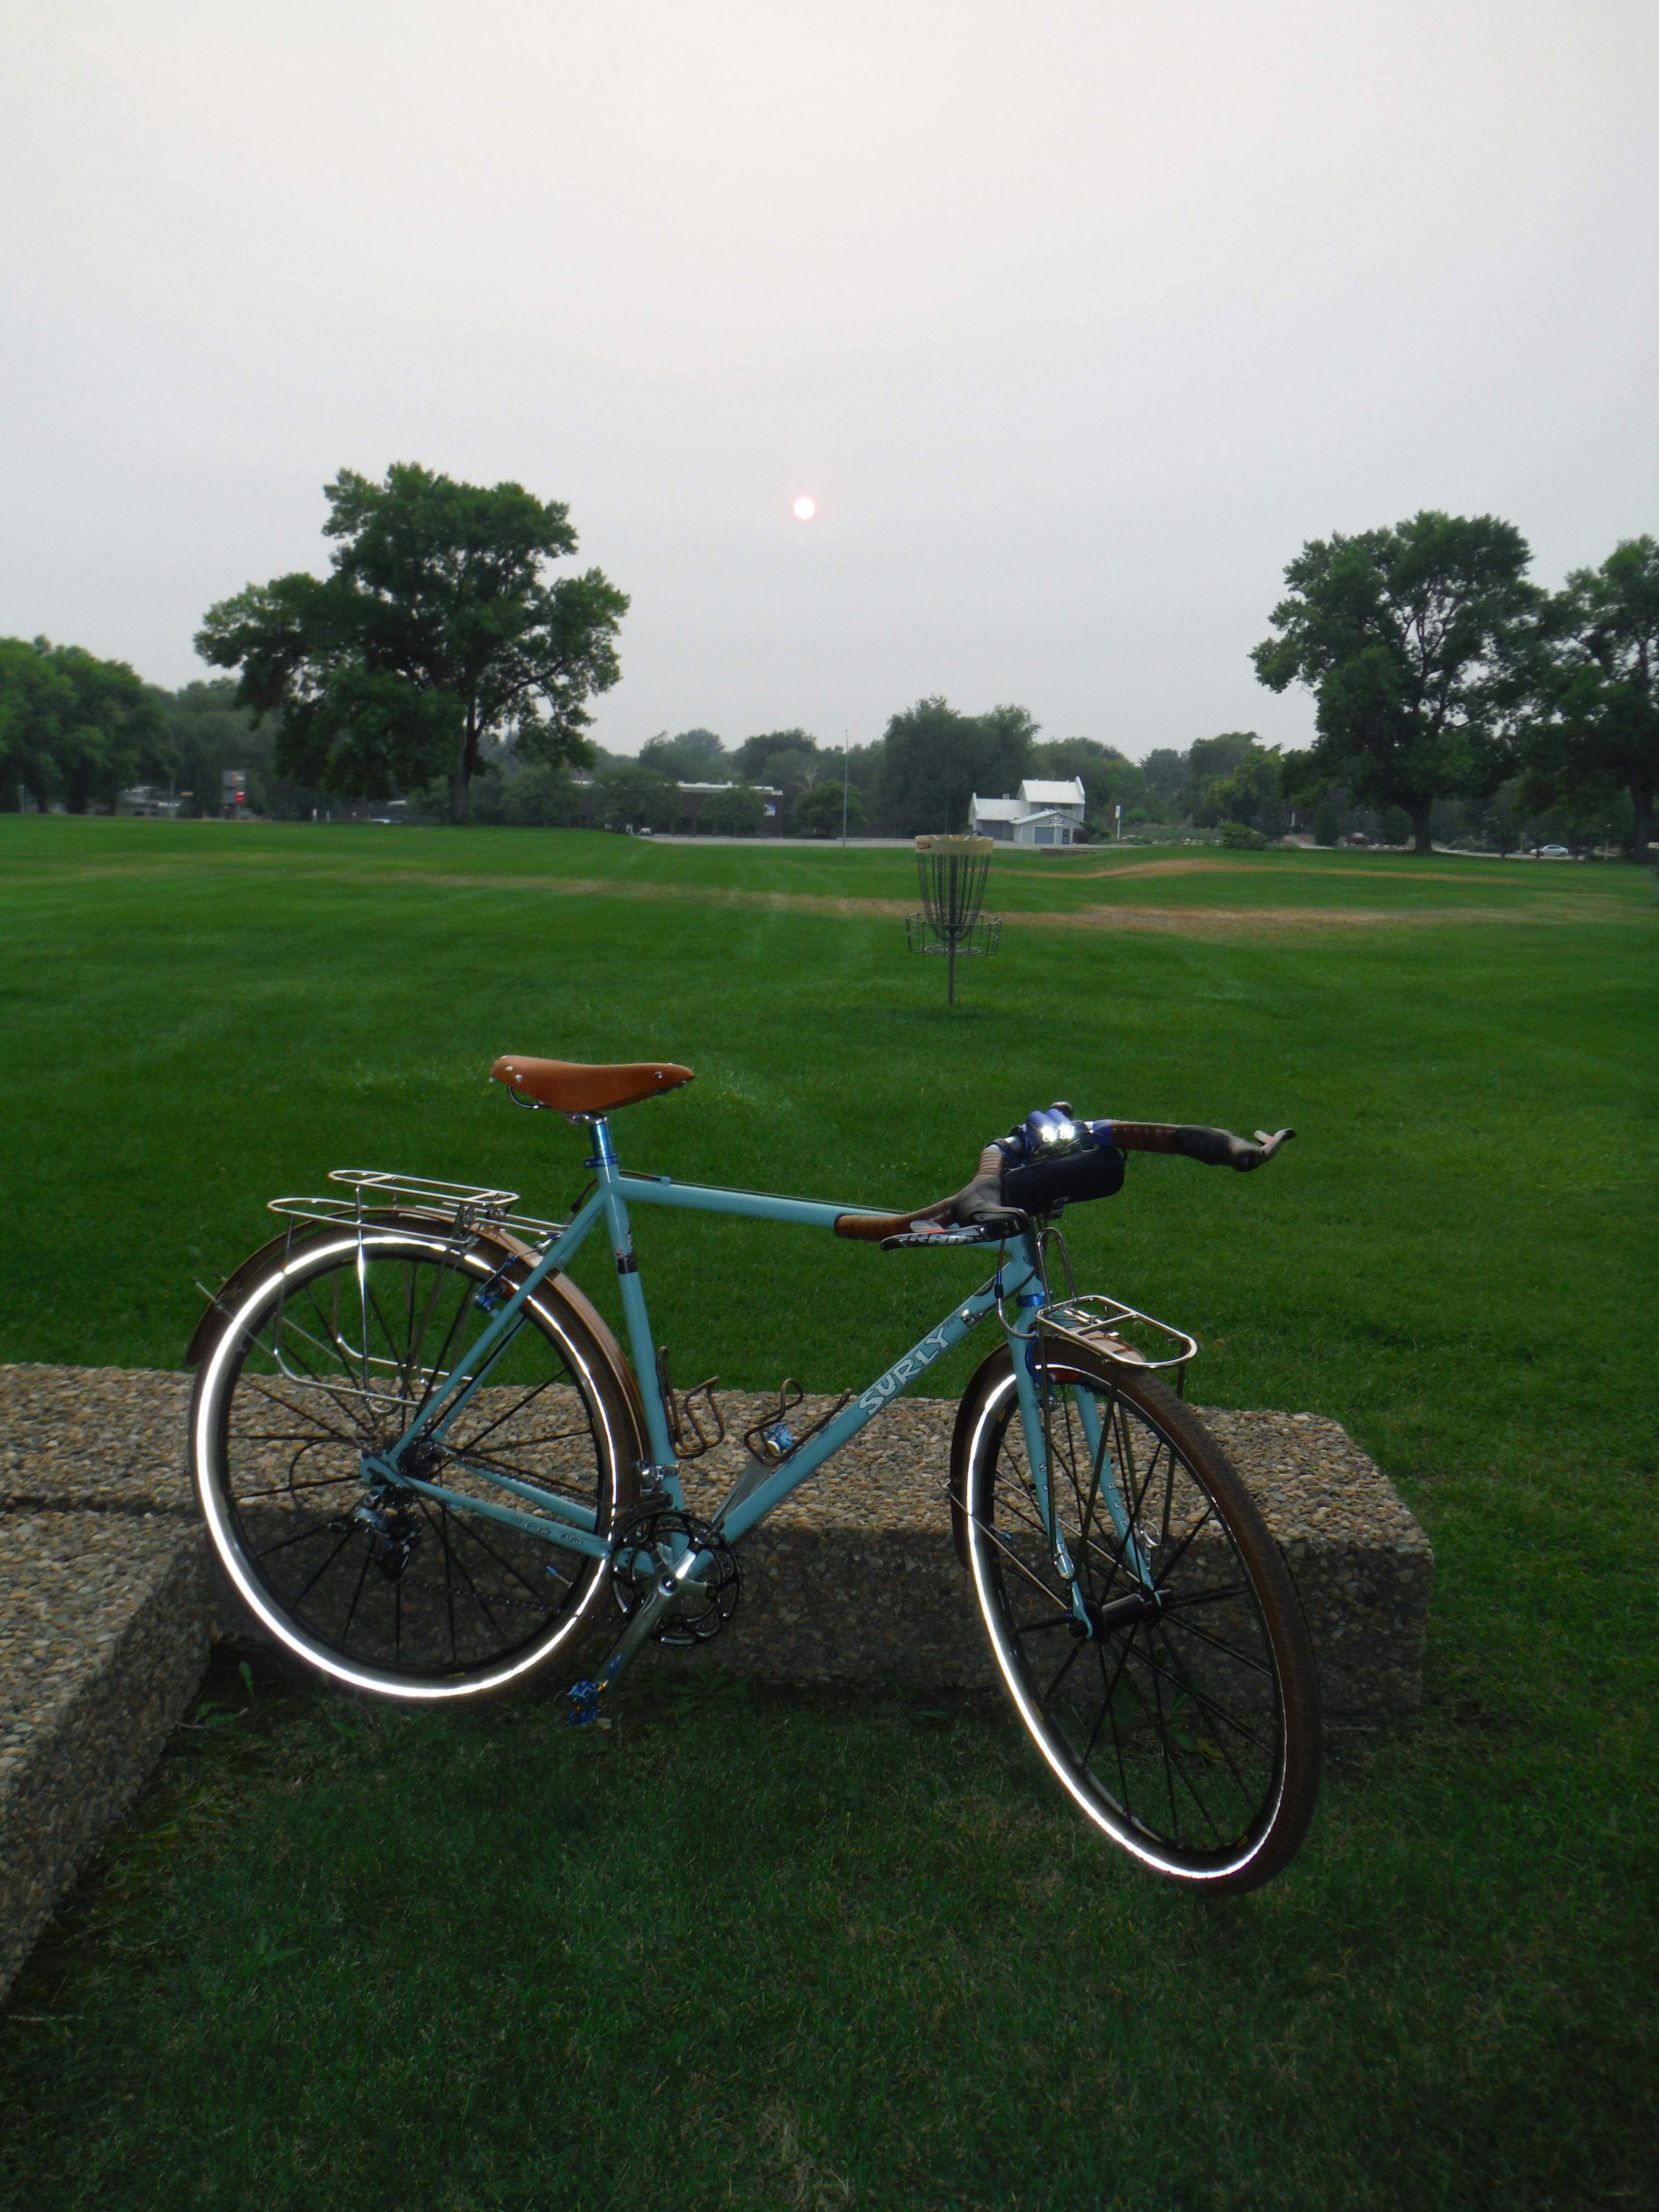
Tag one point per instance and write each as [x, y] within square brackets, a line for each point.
[465, 1209]
[1104, 1325]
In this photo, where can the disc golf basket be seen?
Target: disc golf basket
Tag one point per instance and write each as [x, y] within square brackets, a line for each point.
[953, 872]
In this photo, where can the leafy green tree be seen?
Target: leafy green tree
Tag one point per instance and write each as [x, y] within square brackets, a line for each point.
[1209, 761]
[1165, 773]
[71, 726]
[935, 759]
[629, 796]
[540, 798]
[791, 759]
[694, 756]
[817, 812]
[1327, 821]
[1249, 794]
[1600, 723]
[433, 631]
[204, 733]
[738, 813]
[1108, 780]
[1416, 643]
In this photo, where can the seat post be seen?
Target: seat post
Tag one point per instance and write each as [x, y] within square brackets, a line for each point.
[663, 1472]
[605, 1151]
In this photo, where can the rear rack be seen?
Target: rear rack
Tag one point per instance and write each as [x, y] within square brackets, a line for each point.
[1094, 1322]
[466, 1209]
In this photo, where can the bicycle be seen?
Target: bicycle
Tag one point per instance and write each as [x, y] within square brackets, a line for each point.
[422, 1456]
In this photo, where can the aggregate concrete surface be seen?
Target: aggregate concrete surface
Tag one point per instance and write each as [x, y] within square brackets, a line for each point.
[108, 1603]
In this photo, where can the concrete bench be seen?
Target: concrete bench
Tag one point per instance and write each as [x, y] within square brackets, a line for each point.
[108, 1601]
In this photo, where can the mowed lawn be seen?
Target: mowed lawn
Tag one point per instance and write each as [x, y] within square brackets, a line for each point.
[758, 1951]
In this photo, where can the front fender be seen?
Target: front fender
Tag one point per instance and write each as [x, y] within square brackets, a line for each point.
[991, 1373]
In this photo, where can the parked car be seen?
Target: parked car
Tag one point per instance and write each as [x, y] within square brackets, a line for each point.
[1554, 853]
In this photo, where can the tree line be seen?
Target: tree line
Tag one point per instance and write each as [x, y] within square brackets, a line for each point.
[438, 661]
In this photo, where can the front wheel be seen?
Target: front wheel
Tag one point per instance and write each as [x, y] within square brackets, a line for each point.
[1169, 1685]
[327, 1353]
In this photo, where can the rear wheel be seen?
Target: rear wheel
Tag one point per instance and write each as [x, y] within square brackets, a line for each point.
[1184, 1719]
[328, 1355]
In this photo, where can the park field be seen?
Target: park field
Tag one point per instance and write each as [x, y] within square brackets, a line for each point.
[759, 1951]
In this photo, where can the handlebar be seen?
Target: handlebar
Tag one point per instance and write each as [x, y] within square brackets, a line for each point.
[1217, 1148]
[981, 1203]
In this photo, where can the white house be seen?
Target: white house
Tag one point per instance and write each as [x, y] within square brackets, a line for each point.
[1046, 812]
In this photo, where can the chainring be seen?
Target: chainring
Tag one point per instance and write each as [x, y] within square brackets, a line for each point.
[650, 1542]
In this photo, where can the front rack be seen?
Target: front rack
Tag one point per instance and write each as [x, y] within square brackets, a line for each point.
[466, 1208]
[1094, 1322]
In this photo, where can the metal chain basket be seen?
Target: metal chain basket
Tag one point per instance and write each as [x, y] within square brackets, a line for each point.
[953, 872]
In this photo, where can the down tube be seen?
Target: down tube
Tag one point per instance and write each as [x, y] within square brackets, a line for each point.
[864, 1408]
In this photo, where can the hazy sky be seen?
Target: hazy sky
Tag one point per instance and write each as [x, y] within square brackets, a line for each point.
[1076, 319]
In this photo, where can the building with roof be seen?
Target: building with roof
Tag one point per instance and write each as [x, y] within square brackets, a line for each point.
[1046, 812]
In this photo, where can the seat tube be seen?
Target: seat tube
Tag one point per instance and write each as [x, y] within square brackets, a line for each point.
[640, 1342]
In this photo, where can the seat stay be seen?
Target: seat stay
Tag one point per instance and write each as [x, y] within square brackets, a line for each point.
[470, 1370]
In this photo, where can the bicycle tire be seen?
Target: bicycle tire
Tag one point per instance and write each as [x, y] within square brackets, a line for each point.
[323, 1350]
[1185, 1723]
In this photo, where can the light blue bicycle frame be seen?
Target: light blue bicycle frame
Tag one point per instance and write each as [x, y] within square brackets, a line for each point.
[573, 1528]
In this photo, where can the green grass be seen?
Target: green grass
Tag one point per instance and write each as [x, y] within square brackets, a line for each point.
[862, 1954]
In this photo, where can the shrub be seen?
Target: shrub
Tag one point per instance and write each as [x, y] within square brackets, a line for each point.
[817, 813]
[1242, 838]
[737, 812]
[633, 798]
[540, 798]
[1326, 822]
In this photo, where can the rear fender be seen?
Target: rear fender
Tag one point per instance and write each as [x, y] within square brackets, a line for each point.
[517, 1260]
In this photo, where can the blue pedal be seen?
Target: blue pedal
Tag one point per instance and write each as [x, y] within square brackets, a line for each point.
[584, 1704]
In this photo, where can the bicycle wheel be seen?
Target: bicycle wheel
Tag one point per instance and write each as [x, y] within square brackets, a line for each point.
[1185, 1723]
[327, 1354]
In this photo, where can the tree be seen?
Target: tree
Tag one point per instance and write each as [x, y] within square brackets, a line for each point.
[1208, 761]
[70, 725]
[1600, 724]
[1165, 771]
[738, 811]
[632, 797]
[935, 759]
[1108, 780]
[791, 760]
[694, 756]
[817, 812]
[1248, 793]
[1414, 641]
[433, 632]
[540, 798]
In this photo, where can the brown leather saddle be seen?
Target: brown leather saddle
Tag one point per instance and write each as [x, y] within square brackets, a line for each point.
[575, 1086]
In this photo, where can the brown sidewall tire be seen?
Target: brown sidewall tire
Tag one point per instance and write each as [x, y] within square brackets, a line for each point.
[557, 1311]
[987, 1404]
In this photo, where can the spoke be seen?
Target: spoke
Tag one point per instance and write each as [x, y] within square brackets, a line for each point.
[290, 1489]
[363, 1576]
[1246, 1790]
[1065, 1668]
[511, 1413]
[1176, 1673]
[317, 1529]
[1218, 1643]
[1036, 1580]
[321, 1572]
[470, 1531]
[478, 1597]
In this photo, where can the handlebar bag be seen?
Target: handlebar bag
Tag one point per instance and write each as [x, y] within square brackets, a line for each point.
[1050, 1158]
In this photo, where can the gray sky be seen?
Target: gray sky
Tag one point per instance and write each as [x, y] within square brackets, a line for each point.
[1076, 319]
